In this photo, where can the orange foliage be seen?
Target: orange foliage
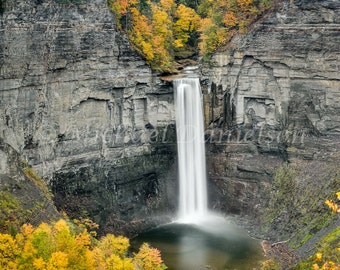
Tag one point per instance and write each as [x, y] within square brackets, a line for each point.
[230, 19]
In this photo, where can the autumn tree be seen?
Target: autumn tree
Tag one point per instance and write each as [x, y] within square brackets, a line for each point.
[59, 247]
[186, 24]
[162, 38]
[9, 251]
[164, 30]
[141, 34]
[149, 258]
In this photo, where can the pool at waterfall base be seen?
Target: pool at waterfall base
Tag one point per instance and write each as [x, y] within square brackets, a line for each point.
[198, 239]
[214, 243]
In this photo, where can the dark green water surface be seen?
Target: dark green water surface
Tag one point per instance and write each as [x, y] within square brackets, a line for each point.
[213, 244]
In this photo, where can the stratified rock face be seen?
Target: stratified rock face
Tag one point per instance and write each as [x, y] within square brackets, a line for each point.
[84, 109]
[273, 96]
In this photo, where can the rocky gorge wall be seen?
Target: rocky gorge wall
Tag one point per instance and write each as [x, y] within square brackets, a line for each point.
[272, 97]
[86, 112]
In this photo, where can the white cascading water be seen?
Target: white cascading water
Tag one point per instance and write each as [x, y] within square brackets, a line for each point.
[191, 150]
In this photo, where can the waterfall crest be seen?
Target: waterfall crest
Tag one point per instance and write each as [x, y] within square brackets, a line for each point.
[191, 150]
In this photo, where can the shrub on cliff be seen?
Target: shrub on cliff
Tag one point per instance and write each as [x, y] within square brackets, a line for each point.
[327, 256]
[296, 205]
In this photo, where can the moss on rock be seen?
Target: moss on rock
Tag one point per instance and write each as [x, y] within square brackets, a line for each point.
[24, 195]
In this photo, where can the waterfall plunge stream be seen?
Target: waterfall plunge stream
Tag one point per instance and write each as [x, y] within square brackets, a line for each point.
[198, 239]
[191, 150]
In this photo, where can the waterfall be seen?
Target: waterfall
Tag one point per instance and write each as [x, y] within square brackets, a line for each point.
[191, 149]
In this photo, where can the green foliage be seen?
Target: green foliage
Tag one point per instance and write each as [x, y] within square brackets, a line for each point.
[165, 30]
[283, 194]
[298, 207]
[31, 174]
[327, 256]
[11, 212]
[58, 246]
[25, 197]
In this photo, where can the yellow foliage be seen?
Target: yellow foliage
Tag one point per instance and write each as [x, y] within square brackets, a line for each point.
[318, 256]
[26, 229]
[165, 29]
[320, 262]
[222, 35]
[209, 38]
[9, 250]
[57, 247]
[187, 22]
[61, 226]
[147, 50]
[149, 258]
[332, 204]
[244, 4]
[178, 43]
[161, 22]
[83, 239]
[39, 263]
[117, 263]
[141, 34]
[111, 244]
[122, 5]
[58, 261]
[88, 224]
[168, 5]
[315, 266]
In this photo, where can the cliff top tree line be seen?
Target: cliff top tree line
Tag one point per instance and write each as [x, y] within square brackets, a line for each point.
[163, 31]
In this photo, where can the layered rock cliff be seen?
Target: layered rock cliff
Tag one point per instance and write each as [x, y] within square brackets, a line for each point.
[273, 97]
[86, 112]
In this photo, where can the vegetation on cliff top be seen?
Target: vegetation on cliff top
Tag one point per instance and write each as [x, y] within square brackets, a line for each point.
[165, 30]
